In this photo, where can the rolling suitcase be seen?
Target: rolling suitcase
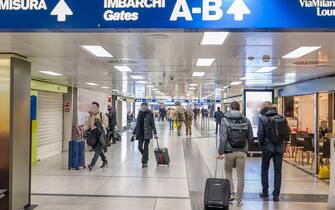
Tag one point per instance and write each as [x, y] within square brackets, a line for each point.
[162, 155]
[217, 192]
[76, 154]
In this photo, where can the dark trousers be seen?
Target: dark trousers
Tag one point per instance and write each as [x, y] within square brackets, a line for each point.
[143, 147]
[98, 153]
[110, 135]
[277, 163]
[217, 127]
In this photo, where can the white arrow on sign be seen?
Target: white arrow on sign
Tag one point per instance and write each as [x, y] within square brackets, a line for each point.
[238, 9]
[61, 10]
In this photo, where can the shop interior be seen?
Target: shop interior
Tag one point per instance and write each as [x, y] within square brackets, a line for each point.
[307, 150]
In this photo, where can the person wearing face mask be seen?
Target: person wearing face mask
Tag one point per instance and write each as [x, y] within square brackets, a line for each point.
[112, 122]
[97, 122]
[144, 131]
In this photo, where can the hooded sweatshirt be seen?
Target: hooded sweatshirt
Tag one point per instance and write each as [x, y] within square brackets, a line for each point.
[225, 147]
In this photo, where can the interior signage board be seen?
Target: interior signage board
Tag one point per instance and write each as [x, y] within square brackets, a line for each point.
[31, 15]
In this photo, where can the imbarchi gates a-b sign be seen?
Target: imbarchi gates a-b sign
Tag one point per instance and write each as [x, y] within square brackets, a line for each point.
[82, 15]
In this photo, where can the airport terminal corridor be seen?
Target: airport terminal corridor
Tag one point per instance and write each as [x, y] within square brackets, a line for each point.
[125, 185]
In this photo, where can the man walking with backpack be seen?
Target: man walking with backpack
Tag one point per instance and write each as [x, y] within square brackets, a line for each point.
[235, 133]
[273, 133]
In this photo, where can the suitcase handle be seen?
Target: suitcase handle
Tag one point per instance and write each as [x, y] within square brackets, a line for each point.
[157, 144]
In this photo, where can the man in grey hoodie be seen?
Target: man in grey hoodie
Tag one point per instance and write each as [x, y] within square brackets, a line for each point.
[235, 133]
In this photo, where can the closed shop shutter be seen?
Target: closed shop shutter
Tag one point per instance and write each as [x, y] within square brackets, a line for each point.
[50, 124]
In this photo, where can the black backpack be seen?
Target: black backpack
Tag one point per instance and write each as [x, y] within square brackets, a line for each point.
[278, 130]
[237, 132]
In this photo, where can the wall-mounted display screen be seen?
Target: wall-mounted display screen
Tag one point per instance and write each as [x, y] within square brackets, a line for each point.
[253, 100]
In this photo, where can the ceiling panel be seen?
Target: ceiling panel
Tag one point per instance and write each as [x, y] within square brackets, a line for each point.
[167, 60]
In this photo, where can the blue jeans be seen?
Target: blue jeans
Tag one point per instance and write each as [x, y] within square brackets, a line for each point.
[99, 152]
[277, 163]
[171, 124]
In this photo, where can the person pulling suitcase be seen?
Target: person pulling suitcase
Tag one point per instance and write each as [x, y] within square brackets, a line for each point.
[235, 133]
[144, 131]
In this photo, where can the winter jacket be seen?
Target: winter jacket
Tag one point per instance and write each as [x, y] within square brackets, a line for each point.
[218, 116]
[149, 126]
[225, 147]
[189, 116]
[264, 141]
[179, 114]
[97, 116]
[102, 118]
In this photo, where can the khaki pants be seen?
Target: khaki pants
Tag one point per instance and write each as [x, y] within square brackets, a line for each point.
[238, 159]
[188, 129]
[179, 125]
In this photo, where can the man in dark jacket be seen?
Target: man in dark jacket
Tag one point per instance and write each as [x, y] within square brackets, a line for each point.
[144, 131]
[218, 115]
[112, 122]
[269, 151]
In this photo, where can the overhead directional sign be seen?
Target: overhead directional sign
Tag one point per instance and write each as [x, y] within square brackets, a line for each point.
[61, 11]
[69, 15]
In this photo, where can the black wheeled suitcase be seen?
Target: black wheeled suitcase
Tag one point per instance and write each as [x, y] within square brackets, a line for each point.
[162, 155]
[217, 193]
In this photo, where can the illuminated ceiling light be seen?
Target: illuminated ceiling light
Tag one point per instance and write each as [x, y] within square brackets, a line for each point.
[150, 86]
[198, 74]
[245, 78]
[51, 73]
[137, 77]
[123, 68]
[205, 61]
[236, 83]
[192, 88]
[105, 87]
[154, 89]
[266, 69]
[301, 51]
[91, 84]
[141, 82]
[193, 85]
[97, 51]
[290, 75]
[115, 90]
[214, 38]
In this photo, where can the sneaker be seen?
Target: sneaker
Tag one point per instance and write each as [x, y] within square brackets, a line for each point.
[104, 164]
[90, 167]
[239, 203]
[144, 165]
[232, 197]
[264, 195]
[276, 198]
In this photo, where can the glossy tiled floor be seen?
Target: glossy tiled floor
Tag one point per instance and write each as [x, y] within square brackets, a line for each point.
[125, 185]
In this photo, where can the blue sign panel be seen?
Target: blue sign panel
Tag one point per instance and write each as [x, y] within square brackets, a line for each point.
[98, 15]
